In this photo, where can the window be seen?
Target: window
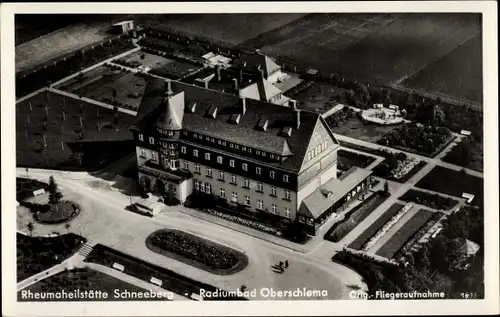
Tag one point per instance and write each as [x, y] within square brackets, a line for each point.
[219, 159]
[209, 172]
[208, 188]
[197, 168]
[154, 156]
[183, 150]
[272, 174]
[195, 135]
[245, 166]
[273, 190]
[274, 209]
[236, 146]
[235, 197]
[196, 184]
[202, 186]
[287, 194]
[257, 152]
[141, 137]
[207, 156]
[186, 165]
[195, 153]
[231, 163]
[287, 212]
[223, 193]
[221, 175]
[171, 187]
[246, 183]
[170, 133]
[258, 170]
[143, 153]
[243, 148]
[224, 143]
[212, 140]
[285, 178]
[219, 142]
[172, 152]
[233, 179]
[247, 200]
[231, 145]
[152, 140]
[249, 150]
[271, 156]
[171, 146]
[309, 156]
[260, 187]
[207, 138]
[260, 204]
[264, 154]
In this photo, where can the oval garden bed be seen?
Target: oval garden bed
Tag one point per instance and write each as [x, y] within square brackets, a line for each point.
[65, 211]
[196, 251]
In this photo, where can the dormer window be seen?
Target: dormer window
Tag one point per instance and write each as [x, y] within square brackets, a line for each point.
[326, 192]
[235, 118]
[141, 137]
[170, 133]
[151, 140]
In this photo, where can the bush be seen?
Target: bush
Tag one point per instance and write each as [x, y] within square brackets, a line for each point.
[169, 199]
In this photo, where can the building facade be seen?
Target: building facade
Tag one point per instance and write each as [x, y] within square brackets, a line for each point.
[254, 154]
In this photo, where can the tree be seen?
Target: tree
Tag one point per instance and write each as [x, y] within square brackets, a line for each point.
[67, 226]
[386, 187]
[54, 195]
[30, 227]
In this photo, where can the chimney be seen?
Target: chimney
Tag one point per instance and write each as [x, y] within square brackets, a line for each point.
[296, 117]
[235, 84]
[241, 76]
[243, 104]
[218, 69]
[261, 71]
[293, 104]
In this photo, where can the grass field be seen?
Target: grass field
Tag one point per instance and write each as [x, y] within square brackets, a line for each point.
[319, 97]
[146, 59]
[83, 280]
[103, 139]
[434, 201]
[226, 29]
[347, 159]
[474, 147]
[98, 84]
[34, 255]
[398, 240]
[354, 217]
[440, 76]
[454, 183]
[363, 238]
[354, 128]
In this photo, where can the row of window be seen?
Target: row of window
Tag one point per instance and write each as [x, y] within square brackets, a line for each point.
[246, 181]
[317, 150]
[235, 146]
[207, 188]
[244, 166]
[154, 155]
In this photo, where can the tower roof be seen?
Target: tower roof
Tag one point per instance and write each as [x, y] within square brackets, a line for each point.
[173, 112]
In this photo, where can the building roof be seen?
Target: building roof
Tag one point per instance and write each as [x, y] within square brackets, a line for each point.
[331, 192]
[468, 248]
[255, 62]
[173, 112]
[260, 90]
[245, 133]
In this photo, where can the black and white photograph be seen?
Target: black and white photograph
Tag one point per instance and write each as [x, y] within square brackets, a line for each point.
[236, 154]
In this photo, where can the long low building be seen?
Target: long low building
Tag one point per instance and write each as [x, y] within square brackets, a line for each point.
[256, 155]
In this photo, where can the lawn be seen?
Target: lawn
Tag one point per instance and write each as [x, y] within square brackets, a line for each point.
[355, 128]
[441, 75]
[348, 159]
[398, 240]
[83, 280]
[145, 59]
[37, 254]
[354, 217]
[102, 139]
[143, 270]
[363, 238]
[318, 97]
[453, 183]
[196, 251]
[434, 201]
[99, 84]
[175, 69]
[26, 186]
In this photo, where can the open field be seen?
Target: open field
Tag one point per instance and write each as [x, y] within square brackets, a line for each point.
[35, 255]
[454, 183]
[83, 280]
[226, 29]
[354, 217]
[355, 128]
[99, 83]
[375, 226]
[103, 140]
[398, 240]
[441, 76]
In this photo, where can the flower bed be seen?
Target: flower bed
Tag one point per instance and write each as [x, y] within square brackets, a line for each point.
[434, 201]
[360, 241]
[354, 217]
[196, 251]
[246, 222]
[387, 226]
[400, 238]
[66, 211]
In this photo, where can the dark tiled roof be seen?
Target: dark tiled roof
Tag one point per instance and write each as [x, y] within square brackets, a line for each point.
[252, 62]
[243, 133]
